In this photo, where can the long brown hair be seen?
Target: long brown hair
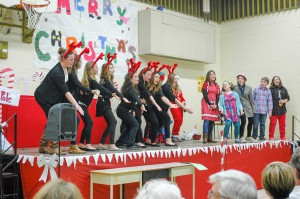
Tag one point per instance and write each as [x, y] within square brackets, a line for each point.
[88, 73]
[105, 74]
[152, 87]
[273, 84]
[208, 74]
[127, 84]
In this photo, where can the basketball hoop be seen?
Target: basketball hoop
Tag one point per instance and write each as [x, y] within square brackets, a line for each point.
[35, 10]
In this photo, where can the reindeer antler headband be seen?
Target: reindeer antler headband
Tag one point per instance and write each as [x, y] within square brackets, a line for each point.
[71, 47]
[86, 50]
[171, 69]
[99, 57]
[133, 67]
[110, 59]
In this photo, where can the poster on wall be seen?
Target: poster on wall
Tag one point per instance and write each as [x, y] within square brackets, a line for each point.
[200, 81]
[104, 26]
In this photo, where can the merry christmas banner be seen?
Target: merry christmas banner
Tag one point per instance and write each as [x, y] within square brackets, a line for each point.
[102, 25]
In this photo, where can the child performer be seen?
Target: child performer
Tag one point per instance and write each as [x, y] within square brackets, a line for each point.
[162, 116]
[126, 111]
[231, 108]
[85, 99]
[103, 106]
[168, 92]
[177, 113]
[149, 101]
[263, 104]
[52, 90]
[209, 105]
[280, 97]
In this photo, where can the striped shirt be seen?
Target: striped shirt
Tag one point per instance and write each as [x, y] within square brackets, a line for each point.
[262, 98]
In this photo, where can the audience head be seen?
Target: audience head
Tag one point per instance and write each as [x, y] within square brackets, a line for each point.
[58, 189]
[159, 188]
[278, 179]
[232, 184]
[295, 162]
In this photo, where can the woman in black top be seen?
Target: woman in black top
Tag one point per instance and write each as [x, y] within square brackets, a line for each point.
[126, 111]
[103, 107]
[85, 99]
[162, 116]
[148, 100]
[75, 86]
[52, 90]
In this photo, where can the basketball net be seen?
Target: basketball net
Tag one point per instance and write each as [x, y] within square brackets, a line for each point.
[35, 10]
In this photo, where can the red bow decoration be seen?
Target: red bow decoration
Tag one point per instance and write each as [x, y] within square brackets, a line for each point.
[171, 69]
[86, 50]
[110, 59]
[133, 67]
[71, 47]
[99, 57]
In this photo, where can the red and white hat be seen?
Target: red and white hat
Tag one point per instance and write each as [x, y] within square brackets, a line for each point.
[243, 75]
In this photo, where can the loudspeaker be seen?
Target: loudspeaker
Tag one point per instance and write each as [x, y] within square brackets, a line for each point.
[62, 123]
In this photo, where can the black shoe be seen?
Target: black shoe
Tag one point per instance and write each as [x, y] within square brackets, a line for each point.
[98, 17]
[91, 15]
[155, 145]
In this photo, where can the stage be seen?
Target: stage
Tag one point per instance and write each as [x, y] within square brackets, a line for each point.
[36, 169]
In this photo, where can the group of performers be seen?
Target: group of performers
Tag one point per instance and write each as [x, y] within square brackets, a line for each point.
[236, 103]
[141, 94]
[144, 94]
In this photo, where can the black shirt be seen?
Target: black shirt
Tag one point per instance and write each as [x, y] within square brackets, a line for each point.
[87, 98]
[168, 92]
[75, 86]
[131, 94]
[53, 88]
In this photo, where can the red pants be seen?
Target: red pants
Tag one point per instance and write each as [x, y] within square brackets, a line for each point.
[177, 114]
[273, 120]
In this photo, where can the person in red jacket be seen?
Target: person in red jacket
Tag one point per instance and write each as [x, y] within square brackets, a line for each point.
[177, 113]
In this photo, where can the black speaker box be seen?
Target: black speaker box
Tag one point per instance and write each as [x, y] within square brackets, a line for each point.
[62, 123]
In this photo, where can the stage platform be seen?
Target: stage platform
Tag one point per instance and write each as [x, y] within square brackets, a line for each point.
[251, 158]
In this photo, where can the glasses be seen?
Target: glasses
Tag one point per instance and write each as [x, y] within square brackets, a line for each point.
[213, 194]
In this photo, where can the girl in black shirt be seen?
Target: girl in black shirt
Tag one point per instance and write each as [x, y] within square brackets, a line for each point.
[103, 107]
[126, 111]
[85, 99]
[162, 116]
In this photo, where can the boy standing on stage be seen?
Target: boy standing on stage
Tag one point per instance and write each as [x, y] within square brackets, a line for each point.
[263, 105]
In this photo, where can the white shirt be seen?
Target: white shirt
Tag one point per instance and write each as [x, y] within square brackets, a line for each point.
[295, 193]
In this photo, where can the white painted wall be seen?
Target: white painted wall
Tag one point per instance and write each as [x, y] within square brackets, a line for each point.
[264, 46]
[20, 59]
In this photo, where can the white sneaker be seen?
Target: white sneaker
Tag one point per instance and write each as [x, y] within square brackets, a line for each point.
[251, 139]
[242, 140]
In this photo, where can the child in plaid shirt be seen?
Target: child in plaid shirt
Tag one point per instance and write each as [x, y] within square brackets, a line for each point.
[263, 105]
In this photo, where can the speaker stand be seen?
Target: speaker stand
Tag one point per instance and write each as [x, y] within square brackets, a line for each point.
[58, 156]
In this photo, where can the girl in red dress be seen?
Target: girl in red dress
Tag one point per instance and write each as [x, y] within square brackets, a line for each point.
[209, 104]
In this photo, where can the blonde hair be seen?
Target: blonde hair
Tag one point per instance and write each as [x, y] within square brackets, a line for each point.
[278, 179]
[58, 189]
[152, 87]
[105, 74]
[87, 73]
